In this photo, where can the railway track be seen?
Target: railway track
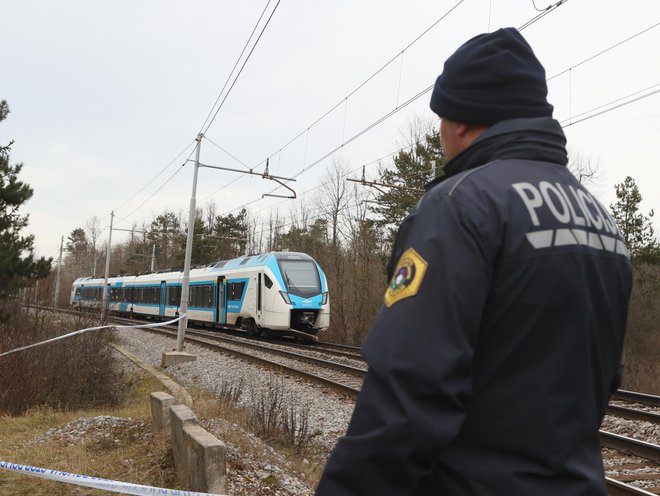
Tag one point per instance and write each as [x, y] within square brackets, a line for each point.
[631, 465]
[345, 379]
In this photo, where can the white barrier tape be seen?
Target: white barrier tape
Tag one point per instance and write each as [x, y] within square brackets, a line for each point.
[64, 336]
[96, 482]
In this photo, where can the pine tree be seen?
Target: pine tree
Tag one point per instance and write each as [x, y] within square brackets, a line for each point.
[18, 264]
[230, 234]
[636, 227]
[412, 170]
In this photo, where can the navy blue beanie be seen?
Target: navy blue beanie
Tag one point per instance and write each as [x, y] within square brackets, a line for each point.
[492, 77]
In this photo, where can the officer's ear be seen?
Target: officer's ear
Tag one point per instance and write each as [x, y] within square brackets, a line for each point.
[467, 133]
[461, 129]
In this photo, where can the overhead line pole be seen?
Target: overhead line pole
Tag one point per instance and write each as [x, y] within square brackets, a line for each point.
[59, 272]
[104, 301]
[185, 283]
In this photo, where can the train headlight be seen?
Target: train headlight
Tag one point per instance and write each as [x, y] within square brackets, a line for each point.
[325, 299]
[285, 297]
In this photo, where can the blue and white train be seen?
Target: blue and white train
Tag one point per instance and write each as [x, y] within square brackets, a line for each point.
[282, 293]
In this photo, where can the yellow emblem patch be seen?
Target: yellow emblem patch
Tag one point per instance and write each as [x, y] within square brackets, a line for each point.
[407, 277]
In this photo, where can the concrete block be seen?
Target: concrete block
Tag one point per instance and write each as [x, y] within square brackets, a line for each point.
[207, 461]
[176, 357]
[160, 411]
[181, 416]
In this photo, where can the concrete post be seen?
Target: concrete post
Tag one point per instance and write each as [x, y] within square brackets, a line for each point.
[160, 411]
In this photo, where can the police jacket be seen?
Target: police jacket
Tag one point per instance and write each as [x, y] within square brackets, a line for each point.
[498, 345]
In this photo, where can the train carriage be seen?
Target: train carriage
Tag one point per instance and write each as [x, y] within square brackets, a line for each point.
[272, 293]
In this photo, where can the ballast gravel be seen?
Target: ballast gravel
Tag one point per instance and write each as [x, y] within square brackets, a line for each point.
[327, 412]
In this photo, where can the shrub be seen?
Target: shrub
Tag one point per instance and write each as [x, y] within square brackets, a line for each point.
[77, 372]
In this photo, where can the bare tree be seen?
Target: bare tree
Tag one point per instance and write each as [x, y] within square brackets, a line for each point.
[334, 198]
[273, 230]
[93, 227]
[586, 169]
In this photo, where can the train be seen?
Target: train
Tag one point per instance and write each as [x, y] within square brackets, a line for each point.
[274, 293]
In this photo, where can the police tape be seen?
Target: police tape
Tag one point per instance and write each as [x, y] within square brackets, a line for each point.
[97, 482]
[99, 328]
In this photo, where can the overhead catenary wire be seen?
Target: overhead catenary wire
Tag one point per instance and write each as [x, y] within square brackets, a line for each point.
[361, 85]
[572, 122]
[207, 118]
[158, 190]
[357, 135]
[235, 65]
[306, 130]
[242, 67]
[540, 10]
[603, 51]
[544, 13]
[301, 195]
[156, 176]
[368, 128]
[389, 114]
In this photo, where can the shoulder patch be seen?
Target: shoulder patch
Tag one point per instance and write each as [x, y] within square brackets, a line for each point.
[407, 278]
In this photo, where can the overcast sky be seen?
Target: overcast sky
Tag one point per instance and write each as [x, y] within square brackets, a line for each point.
[104, 95]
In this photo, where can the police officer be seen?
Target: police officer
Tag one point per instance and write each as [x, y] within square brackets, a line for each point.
[494, 355]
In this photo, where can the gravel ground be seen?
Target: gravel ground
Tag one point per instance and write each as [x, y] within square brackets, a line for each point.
[636, 429]
[327, 412]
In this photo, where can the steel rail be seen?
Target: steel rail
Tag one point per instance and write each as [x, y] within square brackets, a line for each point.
[617, 488]
[324, 349]
[632, 414]
[340, 346]
[647, 399]
[629, 445]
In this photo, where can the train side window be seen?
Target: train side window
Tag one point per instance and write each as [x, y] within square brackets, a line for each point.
[235, 290]
[173, 295]
[208, 296]
[201, 296]
[268, 282]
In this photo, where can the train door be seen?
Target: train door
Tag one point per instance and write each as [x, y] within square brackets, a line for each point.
[259, 296]
[163, 298]
[221, 304]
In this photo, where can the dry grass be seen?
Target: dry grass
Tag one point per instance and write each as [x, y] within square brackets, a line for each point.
[130, 455]
[275, 421]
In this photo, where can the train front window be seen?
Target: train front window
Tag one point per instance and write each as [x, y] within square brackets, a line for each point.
[301, 277]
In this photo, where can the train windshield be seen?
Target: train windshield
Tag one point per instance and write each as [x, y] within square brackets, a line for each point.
[301, 277]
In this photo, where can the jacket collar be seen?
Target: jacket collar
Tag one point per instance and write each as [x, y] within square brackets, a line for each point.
[537, 138]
